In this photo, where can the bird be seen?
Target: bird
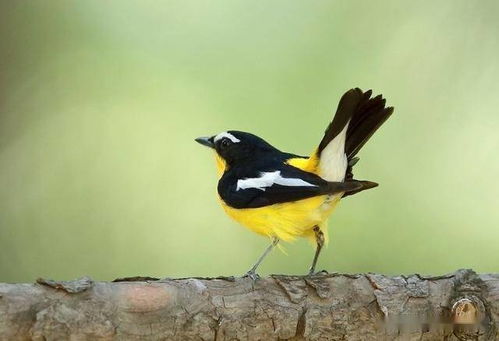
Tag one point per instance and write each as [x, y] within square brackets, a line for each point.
[284, 196]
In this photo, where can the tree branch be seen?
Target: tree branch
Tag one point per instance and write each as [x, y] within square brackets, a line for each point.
[459, 306]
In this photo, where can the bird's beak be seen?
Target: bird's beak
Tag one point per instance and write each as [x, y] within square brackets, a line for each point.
[206, 141]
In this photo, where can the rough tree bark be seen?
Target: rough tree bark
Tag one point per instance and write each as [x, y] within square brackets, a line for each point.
[459, 306]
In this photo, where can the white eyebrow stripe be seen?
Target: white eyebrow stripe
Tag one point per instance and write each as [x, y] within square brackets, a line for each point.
[227, 135]
[267, 179]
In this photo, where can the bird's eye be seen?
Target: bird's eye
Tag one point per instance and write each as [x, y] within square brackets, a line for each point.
[224, 143]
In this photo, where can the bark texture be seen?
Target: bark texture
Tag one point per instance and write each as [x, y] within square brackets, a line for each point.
[459, 306]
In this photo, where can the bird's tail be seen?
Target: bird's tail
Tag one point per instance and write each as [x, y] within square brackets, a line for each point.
[357, 117]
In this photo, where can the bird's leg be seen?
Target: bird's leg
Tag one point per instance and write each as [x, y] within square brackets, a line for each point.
[252, 272]
[319, 238]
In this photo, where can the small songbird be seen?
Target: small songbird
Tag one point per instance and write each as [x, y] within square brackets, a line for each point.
[282, 195]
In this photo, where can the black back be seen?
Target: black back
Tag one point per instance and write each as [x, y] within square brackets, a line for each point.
[252, 159]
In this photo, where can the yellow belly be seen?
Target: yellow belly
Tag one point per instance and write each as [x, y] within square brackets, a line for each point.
[286, 221]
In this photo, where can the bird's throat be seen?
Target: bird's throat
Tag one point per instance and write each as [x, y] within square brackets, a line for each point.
[221, 165]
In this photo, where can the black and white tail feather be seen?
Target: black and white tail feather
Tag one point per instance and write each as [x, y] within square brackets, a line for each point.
[357, 117]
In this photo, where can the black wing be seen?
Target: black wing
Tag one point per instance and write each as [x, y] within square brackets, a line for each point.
[273, 186]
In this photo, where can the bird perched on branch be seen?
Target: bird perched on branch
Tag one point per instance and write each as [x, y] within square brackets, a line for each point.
[282, 195]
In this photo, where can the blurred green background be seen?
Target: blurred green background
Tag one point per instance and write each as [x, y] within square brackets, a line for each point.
[100, 102]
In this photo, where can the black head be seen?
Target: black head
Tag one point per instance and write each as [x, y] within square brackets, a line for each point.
[236, 146]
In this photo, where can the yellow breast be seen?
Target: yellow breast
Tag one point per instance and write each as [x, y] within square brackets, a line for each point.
[286, 221]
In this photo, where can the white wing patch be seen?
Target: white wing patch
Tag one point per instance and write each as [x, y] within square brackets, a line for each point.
[267, 179]
[333, 162]
[227, 135]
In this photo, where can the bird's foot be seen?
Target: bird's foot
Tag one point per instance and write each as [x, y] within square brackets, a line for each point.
[253, 275]
[318, 273]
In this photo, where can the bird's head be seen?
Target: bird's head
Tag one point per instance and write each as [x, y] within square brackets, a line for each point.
[233, 147]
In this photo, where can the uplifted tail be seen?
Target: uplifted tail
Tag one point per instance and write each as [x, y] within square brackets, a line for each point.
[357, 118]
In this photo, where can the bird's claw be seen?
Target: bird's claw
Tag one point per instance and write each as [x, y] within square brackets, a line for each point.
[318, 273]
[253, 275]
